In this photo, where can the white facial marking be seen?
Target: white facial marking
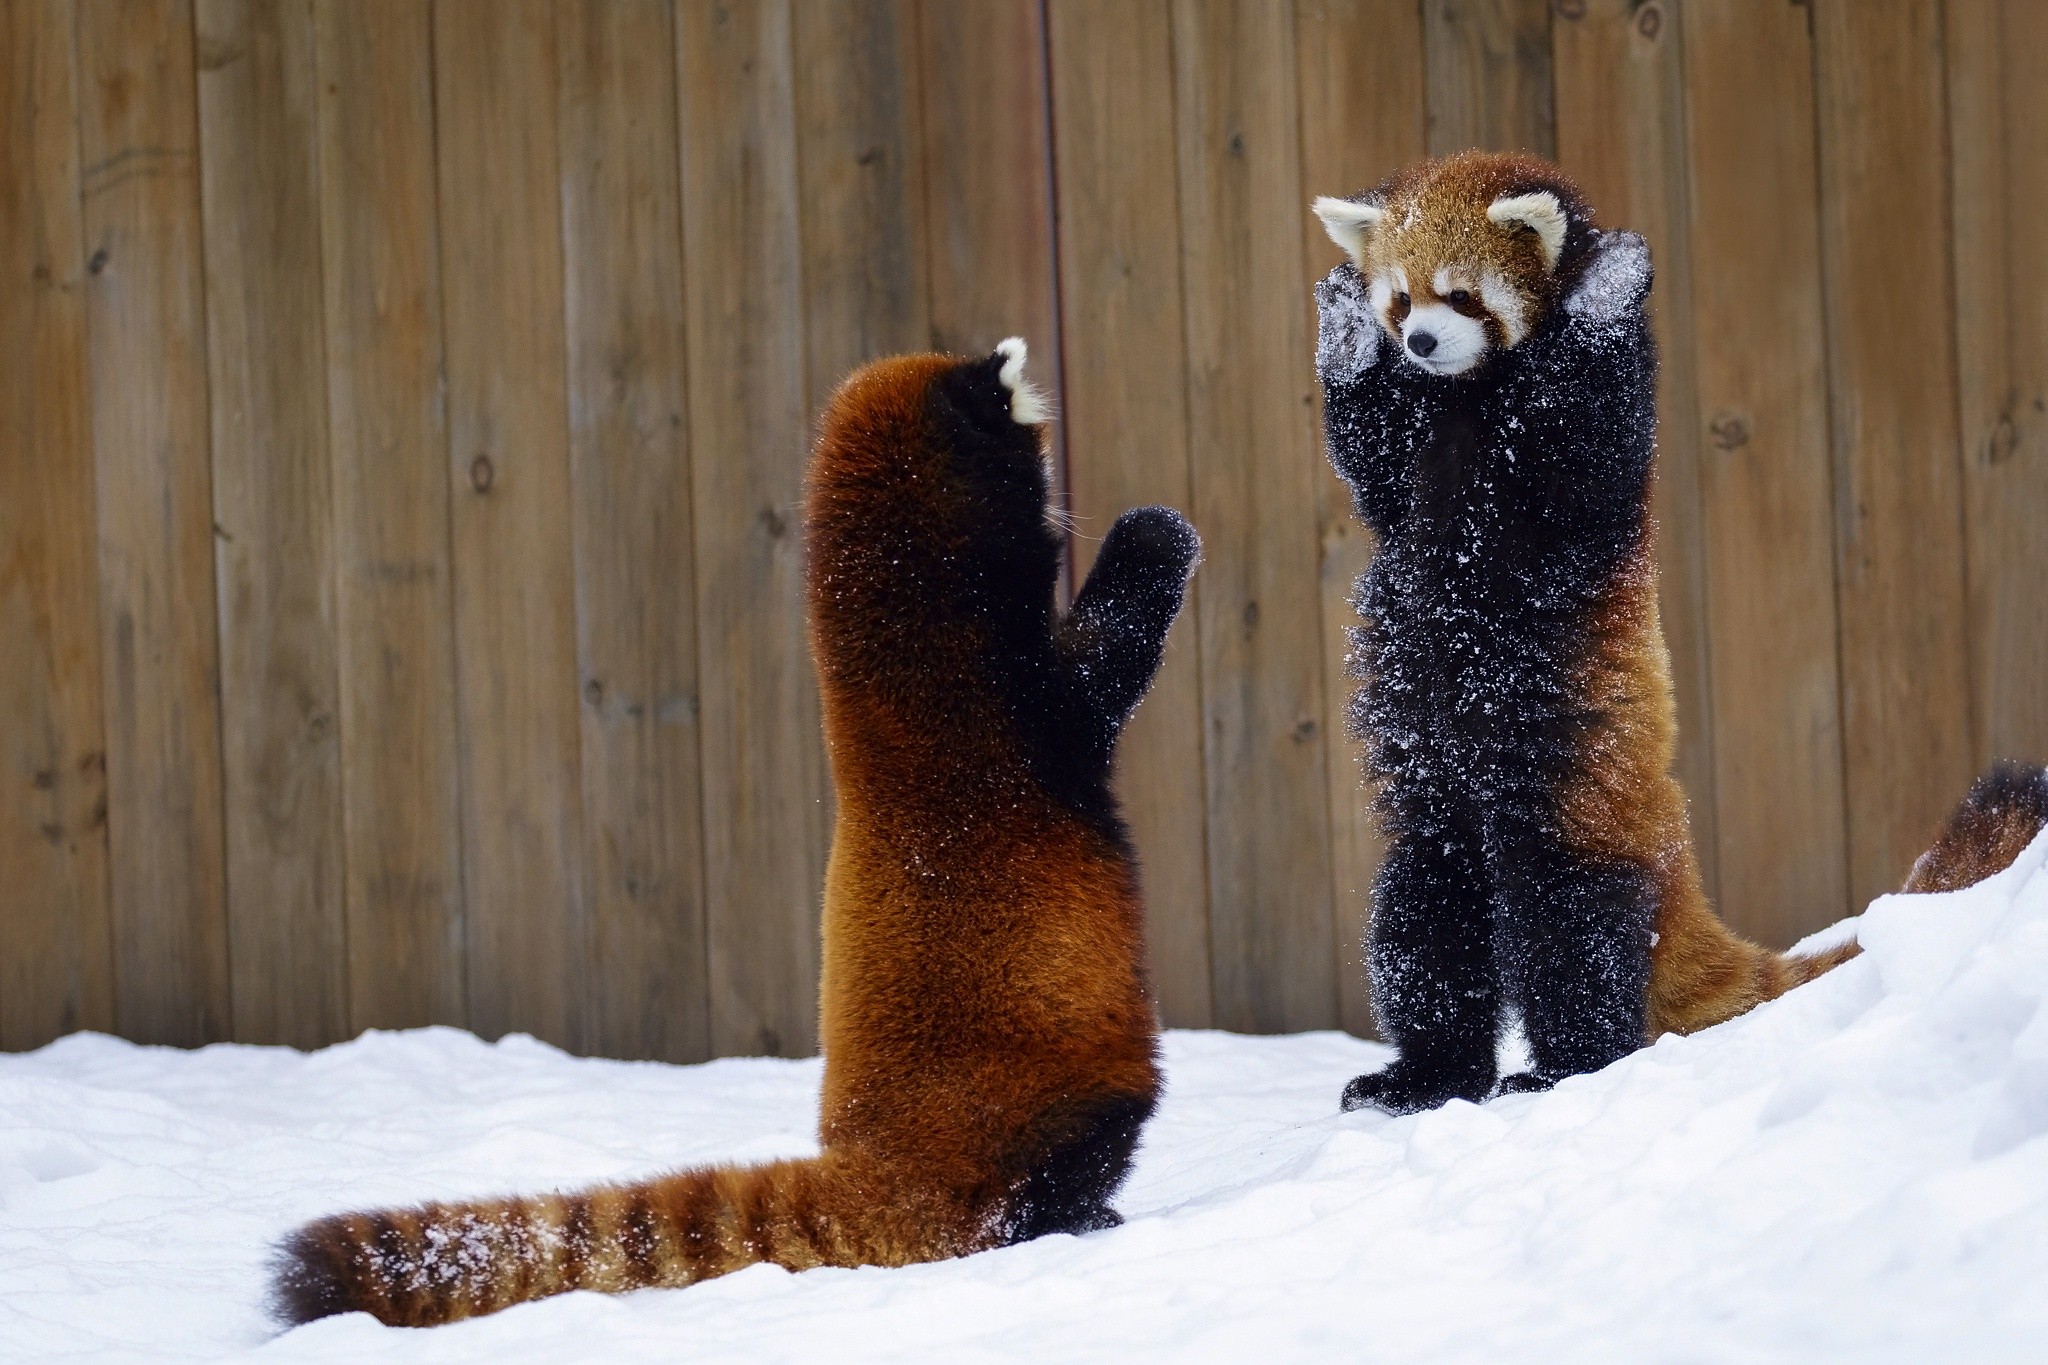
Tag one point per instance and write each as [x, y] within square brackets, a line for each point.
[1505, 302]
[1028, 407]
[1450, 342]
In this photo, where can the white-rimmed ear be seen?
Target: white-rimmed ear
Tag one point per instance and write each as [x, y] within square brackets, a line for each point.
[1538, 211]
[1349, 222]
[1028, 407]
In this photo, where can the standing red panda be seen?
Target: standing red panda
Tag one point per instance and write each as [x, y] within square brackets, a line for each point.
[1490, 397]
[988, 1036]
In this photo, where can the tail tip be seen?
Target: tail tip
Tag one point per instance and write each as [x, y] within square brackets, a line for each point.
[2004, 810]
[305, 1282]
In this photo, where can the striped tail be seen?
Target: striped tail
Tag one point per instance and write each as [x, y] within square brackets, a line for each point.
[1709, 974]
[442, 1262]
[2006, 808]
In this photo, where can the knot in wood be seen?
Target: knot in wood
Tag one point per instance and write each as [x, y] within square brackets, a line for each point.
[1729, 431]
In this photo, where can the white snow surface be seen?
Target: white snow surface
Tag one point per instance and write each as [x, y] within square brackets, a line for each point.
[1856, 1172]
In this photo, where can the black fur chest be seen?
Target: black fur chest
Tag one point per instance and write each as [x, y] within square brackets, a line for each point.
[1507, 520]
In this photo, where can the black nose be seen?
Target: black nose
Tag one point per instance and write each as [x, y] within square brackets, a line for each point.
[1422, 343]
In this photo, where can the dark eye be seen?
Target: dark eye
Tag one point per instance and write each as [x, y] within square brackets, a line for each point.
[1458, 298]
[1400, 300]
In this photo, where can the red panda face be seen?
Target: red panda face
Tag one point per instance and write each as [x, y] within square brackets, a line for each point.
[1460, 256]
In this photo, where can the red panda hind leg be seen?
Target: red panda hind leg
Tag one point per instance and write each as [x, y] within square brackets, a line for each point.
[989, 1040]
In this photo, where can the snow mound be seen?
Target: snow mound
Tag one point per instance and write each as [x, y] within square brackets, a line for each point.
[1858, 1171]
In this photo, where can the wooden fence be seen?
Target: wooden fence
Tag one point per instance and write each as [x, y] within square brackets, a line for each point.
[403, 409]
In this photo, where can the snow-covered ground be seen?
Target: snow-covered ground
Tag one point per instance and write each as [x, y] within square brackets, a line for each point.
[1856, 1172]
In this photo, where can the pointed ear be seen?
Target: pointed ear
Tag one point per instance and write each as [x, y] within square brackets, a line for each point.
[1538, 211]
[1349, 222]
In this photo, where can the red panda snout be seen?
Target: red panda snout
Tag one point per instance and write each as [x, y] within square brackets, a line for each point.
[1453, 322]
[1441, 340]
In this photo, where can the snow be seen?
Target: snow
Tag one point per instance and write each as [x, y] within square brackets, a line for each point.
[1858, 1171]
[1616, 281]
[1347, 327]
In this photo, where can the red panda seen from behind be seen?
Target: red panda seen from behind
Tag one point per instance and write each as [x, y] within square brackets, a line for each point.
[988, 1033]
[1489, 384]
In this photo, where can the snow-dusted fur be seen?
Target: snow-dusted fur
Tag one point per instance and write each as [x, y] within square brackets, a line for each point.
[988, 1035]
[1516, 693]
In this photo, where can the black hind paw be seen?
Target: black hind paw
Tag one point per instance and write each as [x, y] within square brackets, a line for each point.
[1404, 1089]
[1526, 1083]
[1098, 1220]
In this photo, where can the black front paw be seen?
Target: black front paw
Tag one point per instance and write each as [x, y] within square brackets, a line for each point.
[1403, 1088]
[1152, 540]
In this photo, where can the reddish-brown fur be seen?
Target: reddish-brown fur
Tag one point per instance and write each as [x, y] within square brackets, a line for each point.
[1436, 217]
[1628, 807]
[1991, 826]
[1625, 806]
[983, 1001]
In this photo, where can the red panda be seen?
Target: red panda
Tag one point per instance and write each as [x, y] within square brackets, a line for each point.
[1516, 693]
[1991, 826]
[988, 1033]
[1463, 257]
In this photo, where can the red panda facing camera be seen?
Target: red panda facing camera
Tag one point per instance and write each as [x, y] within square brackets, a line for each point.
[1515, 700]
[1462, 257]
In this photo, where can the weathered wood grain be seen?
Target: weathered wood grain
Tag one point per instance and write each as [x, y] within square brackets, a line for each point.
[388, 444]
[986, 134]
[273, 544]
[508, 463]
[860, 186]
[1360, 72]
[56, 964]
[1997, 54]
[1253, 461]
[987, 185]
[146, 317]
[1489, 75]
[1124, 341]
[1897, 467]
[767, 824]
[1763, 432]
[1620, 68]
[636, 597]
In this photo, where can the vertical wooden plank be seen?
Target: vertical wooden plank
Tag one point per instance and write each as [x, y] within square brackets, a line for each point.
[1253, 456]
[635, 560]
[766, 821]
[56, 967]
[1763, 429]
[515, 644]
[860, 181]
[258, 117]
[1127, 425]
[988, 187]
[985, 132]
[389, 447]
[1360, 70]
[145, 310]
[1998, 145]
[1621, 133]
[1489, 75]
[1892, 386]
